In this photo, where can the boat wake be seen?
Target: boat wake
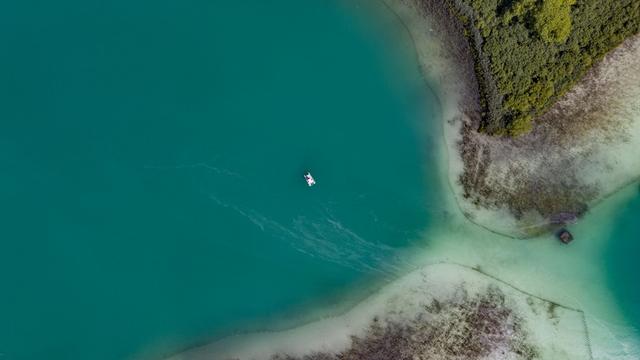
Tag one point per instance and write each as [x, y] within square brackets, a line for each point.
[327, 238]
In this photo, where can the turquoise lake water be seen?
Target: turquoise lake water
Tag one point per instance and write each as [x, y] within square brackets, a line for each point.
[622, 260]
[151, 160]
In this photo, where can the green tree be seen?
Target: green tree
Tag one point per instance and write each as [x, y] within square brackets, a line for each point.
[531, 52]
[553, 20]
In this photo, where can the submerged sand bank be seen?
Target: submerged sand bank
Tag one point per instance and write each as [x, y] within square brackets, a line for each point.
[441, 311]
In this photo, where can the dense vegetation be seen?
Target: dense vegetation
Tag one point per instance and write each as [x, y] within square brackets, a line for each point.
[530, 52]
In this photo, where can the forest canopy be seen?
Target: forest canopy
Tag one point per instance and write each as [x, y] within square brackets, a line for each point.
[531, 52]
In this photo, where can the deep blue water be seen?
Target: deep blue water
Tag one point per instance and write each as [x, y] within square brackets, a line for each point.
[151, 160]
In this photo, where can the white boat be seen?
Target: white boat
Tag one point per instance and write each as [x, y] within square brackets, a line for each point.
[309, 179]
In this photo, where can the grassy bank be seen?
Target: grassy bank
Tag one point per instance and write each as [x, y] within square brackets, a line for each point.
[530, 52]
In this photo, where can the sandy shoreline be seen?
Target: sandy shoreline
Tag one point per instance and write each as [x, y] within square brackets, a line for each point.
[455, 310]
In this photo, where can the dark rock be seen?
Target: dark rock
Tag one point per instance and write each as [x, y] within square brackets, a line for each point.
[565, 236]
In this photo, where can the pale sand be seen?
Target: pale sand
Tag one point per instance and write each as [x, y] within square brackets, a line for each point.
[557, 331]
[573, 275]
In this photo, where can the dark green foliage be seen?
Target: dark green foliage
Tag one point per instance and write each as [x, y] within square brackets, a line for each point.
[536, 50]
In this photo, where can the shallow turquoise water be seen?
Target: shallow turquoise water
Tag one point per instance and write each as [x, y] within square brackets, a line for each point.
[622, 262]
[151, 159]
